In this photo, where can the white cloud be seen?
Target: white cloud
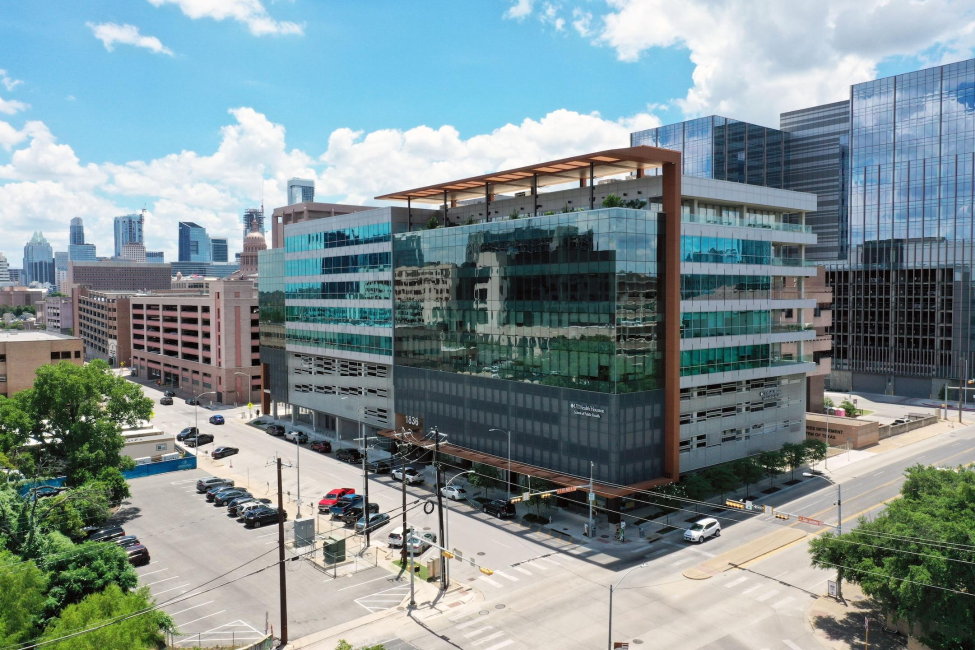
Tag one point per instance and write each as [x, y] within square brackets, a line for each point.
[756, 58]
[249, 12]
[12, 106]
[46, 160]
[519, 10]
[8, 82]
[9, 136]
[111, 33]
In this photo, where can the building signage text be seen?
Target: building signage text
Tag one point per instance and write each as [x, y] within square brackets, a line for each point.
[587, 410]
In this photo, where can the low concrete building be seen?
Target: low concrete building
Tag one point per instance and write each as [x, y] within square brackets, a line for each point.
[58, 314]
[837, 431]
[22, 353]
[20, 296]
[148, 442]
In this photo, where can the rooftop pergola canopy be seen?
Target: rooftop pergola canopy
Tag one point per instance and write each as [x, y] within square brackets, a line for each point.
[577, 169]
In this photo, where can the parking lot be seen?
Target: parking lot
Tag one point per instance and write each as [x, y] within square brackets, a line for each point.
[219, 580]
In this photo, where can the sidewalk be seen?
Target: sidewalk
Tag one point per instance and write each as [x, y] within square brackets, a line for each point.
[840, 625]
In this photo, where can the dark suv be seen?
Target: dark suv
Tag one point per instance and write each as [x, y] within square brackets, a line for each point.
[349, 455]
[225, 497]
[106, 534]
[343, 505]
[260, 516]
[354, 513]
[274, 430]
[499, 508]
[187, 433]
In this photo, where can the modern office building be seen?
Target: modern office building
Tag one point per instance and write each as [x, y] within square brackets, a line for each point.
[253, 216]
[102, 320]
[22, 353]
[119, 275]
[76, 231]
[82, 252]
[300, 212]
[201, 340]
[155, 257]
[301, 190]
[204, 269]
[38, 261]
[194, 243]
[16, 276]
[128, 228]
[59, 315]
[4, 269]
[133, 252]
[649, 340]
[218, 250]
[60, 270]
[18, 296]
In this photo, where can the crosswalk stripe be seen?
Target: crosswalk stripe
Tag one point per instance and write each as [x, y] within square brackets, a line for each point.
[493, 583]
[539, 566]
[735, 582]
[526, 572]
[479, 630]
[469, 623]
[505, 575]
[751, 589]
[783, 602]
[684, 561]
[488, 638]
[767, 595]
[791, 644]
[549, 560]
[503, 644]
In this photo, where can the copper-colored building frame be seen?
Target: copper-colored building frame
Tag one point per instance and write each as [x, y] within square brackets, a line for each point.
[584, 169]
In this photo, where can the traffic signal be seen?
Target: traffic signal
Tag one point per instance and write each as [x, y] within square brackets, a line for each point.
[779, 515]
[546, 495]
[515, 500]
[447, 554]
[731, 503]
[487, 572]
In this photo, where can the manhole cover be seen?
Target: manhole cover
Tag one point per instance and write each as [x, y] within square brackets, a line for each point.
[426, 528]
[499, 607]
[471, 579]
[638, 641]
[480, 552]
[483, 612]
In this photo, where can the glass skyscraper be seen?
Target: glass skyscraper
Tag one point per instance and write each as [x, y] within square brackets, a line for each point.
[128, 229]
[77, 231]
[218, 249]
[300, 190]
[39, 261]
[194, 244]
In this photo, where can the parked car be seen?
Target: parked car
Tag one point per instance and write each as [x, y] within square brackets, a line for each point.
[107, 534]
[297, 436]
[214, 491]
[349, 455]
[138, 555]
[420, 543]
[205, 484]
[374, 521]
[220, 452]
[274, 430]
[166, 401]
[340, 507]
[395, 538]
[321, 446]
[46, 491]
[192, 401]
[247, 507]
[198, 440]
[499, 508]
[334, 495]
[225, 497]
[454, 493]
[379, 466]
[126, 541]
[235, 504]
[355, 513]
[186, 433]
[260, 516]
[701, 529]
[216, 419]
[412, 475]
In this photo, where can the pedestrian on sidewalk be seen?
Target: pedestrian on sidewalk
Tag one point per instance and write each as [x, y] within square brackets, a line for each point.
[622, 530]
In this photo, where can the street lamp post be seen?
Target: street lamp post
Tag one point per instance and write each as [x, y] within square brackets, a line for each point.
[196, 419]
[612, 588]
[250, 387]
[839, 524]
[446, 530]
[508, 477]
[365, 468]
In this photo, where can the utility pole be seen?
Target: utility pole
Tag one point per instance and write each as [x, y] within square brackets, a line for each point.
[436, 465]
[365, 480]
[402, 458]
[298, 462]
[281, 569]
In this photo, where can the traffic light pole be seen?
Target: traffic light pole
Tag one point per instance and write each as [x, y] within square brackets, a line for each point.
[437, 467]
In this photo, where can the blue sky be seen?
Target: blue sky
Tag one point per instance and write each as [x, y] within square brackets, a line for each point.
[183, 106]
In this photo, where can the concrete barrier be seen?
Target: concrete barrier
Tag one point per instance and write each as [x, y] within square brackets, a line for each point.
[890, 430]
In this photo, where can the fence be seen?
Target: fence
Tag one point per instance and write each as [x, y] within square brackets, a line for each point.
[889, 430]
[151, 469]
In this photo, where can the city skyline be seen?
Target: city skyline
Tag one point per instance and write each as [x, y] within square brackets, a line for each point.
[57, 163]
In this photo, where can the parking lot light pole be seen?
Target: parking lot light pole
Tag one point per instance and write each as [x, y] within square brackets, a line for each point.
[508, 477]
[839, 524]
[196, 420]
[613, 588]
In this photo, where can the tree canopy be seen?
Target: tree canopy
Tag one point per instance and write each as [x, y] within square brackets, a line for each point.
[914, 558]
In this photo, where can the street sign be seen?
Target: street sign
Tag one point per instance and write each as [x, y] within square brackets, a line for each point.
[831, 588]
[769, 510]
[748, 505]
[809, 520]
[592, 496]
[565, 489]
[525, 496]
[250, 405]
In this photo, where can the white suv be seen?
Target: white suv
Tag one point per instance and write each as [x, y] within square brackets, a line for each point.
[701, 529]
[242, 512]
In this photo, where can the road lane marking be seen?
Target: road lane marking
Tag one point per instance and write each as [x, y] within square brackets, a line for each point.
[506, 576]
[500, 544]
[143, 575]
[491, 582]
[791, 645]
[503, 644]
[490, 637]
[735, 582]
[203, 617]
[783, 602]
[479, 630]
[525, 571]
[365, 583]
[877, 474]
[189, 608]
[655, 553]
[767, 595]
[684, 561]
[149, 584]
[539, 566]
[776, 577]
[160, 593]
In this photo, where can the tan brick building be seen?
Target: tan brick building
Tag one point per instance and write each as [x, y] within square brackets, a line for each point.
[102, 323]
[22, 353]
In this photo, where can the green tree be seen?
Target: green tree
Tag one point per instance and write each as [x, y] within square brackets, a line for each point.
[613, 201]
[828, 403]
[22, 587]
[723, 479]
[82, 409]
[514, 214]
[851, 410]
[345, 645]
[748, 472]
[15, 423]
[920, 539]
[88, 569]
[697, 487]
[636, 204]
[772, 463]
[816, 450]
[433, 223]
[116, 488]
[485, 476]
[535, 501]
[145, 631]
[794, 454]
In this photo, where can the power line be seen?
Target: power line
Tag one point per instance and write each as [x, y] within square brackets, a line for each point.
[884, 575]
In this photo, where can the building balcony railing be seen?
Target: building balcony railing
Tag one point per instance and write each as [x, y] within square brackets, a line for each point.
[779, 328]
[745, 223]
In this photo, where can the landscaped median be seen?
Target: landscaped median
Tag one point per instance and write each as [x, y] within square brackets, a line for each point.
[744, 553]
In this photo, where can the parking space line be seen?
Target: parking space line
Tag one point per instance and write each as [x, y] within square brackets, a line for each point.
[365, 583]
[203, 617]
[143, 575]
[149, 584]
[159, 593]
[189, 608]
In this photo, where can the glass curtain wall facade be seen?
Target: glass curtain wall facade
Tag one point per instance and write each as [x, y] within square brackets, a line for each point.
[271, 305]
[903, 303]
[194, 243]
[128, 230]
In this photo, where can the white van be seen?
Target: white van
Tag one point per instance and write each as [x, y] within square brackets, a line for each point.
[396, 537]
